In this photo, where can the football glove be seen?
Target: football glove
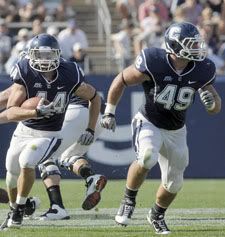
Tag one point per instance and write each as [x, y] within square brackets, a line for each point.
[45, 111]
[207, 99]
[87, 137]
[108, 121]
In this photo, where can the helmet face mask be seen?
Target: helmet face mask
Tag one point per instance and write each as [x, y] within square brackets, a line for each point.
[184, 41]
[44, 53]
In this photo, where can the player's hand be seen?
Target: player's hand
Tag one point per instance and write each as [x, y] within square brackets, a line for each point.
[45, 111]
[87, 137]
[108, 121]
[207, 99]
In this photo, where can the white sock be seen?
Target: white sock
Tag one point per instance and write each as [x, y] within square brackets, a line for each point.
[21, 200]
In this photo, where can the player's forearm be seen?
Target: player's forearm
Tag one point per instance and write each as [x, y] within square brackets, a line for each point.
[94, 110]
[16, 114]
[217, 107]
[116, 90]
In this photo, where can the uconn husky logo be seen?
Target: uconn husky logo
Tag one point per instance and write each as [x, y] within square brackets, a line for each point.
[115, 148]
[174, 33]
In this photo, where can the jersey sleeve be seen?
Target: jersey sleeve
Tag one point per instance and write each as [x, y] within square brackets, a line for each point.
[139, 63]
[144, 60]
[15, 75]
[79, 78]
[209, 77]
[81, 74]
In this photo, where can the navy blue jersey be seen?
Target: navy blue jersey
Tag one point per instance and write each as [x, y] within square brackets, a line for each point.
[169, 93]
[60, 90]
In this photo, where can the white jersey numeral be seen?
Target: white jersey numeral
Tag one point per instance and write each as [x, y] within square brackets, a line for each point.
[59, 100]
[167, 97]
[185, 98]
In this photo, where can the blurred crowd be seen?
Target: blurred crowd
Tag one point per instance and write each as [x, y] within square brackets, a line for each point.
[143, 23]
[31, 15]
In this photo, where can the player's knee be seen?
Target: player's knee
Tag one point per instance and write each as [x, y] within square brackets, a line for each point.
[11, 180]
[181, 159]
[26, 163]
[48, 168]
[68, 163]
[175, 185]
[146, 159]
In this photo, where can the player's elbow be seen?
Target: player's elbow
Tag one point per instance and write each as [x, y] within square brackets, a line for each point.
[3, 117]
[96, 100]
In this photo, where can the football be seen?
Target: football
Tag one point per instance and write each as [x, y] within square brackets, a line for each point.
[32, 103]
[3, 196]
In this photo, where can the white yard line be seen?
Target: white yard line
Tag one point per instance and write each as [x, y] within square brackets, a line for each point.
[104, 217]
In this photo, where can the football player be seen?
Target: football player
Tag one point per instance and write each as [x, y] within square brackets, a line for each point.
[72, 157]
[76, 118]
[37, 137]
[170, 79]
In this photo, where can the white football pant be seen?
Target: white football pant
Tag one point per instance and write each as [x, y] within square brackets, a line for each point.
[28, 148]
[167, 147]
[75, 123]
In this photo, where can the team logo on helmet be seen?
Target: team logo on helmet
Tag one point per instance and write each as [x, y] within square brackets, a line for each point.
[174, 33]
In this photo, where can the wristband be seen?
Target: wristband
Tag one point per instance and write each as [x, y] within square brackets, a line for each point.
[38, 112]
[110, 109]
[90, 130]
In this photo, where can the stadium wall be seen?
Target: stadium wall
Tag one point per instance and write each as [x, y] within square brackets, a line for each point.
[112, 152]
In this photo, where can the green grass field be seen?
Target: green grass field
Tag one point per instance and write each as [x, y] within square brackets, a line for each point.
[199, 210]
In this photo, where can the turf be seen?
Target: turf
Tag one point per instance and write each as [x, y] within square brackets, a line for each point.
[199, 210]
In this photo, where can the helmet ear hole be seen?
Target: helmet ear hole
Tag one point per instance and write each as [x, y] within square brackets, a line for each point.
[176, 47]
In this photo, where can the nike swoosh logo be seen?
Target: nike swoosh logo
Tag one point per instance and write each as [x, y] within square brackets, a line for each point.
[59, 87]
[191, 82]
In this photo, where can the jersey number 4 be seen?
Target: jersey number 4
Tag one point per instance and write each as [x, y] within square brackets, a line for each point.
[59, 100]
[167, 97]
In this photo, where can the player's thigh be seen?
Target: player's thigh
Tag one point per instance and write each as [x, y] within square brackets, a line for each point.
[98, 129]
[38, 150]
[80, 150]
[75, 123]
[175, 148]
[174, 159]
[12, 157]
[76, 150]
[147, 141]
